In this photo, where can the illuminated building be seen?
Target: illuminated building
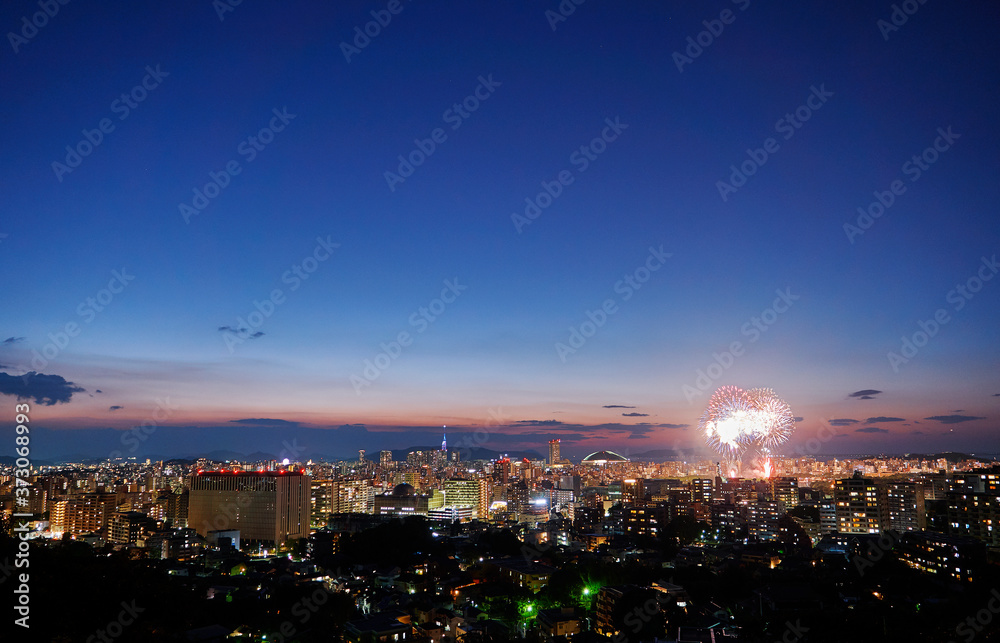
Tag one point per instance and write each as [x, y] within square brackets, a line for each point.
[786, 490]
[554, 456]
[959, 557]
[602, 458]
[385, 459]
[404, 500]
[267, 507]
[701, 490]
[762, 519]
[860, 505]
[905, 502]
[472, 493]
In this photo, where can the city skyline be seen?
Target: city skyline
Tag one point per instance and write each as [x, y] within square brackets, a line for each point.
[570, 227]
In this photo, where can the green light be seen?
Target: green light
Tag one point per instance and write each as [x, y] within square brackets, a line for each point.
[586, 591]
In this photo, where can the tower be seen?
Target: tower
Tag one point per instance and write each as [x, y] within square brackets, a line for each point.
[444, 440]
[554, 456]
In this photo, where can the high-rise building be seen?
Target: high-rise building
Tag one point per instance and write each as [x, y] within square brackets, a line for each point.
[471, 493]
[861, 506]
[762, 519]
[633, 492]
[267, 507]
[905, 501]
[786, 490]
[385, 459]
[554, 456]
[87, 513]
[701, 490]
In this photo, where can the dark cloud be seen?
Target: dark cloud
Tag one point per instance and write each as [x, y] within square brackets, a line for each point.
[958, 410]
[843, 422]
[674, 426]
[265, 422]
[635, 415]
[916, 432]
[996, 395]
[954, 419]
[98, 391]
[871, 429]
[865, 394]
[867, 397]
[538, 422]
[617, 406]
[242, 332]
[13, 340]
[798, 418]
[46, 390]
[640, 432]
[115, 408]
[882, 418]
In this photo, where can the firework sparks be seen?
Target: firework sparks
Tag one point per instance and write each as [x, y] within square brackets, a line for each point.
[736, 420]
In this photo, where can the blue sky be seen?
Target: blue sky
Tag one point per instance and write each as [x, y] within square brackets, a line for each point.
[495, 345]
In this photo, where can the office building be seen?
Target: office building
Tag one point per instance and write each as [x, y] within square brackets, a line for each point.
[267, 507]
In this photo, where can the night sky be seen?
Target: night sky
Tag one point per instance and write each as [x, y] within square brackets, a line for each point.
[494, 215]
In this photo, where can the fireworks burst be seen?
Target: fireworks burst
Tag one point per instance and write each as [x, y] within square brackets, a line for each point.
[736, 419]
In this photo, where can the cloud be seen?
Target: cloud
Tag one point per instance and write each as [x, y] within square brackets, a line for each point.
[996, 395]
[871, 429]
[13, 340]
[954, 419]
[635, 415]
[882, 418]
[867, 397]
[865, 394]
[640, 432]
[843, 422]
[242, 332]
[916, 432]
[46, 390]
[617, 406]
[265, 422]
[115, 408]
[539, 422]
[98, 391]
[674, 426]
[798, 418]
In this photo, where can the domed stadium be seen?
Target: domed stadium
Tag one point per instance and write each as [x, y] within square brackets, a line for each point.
[403, 491]
[601, 458]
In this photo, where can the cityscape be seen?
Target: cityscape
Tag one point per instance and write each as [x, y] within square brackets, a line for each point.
[562, 321]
